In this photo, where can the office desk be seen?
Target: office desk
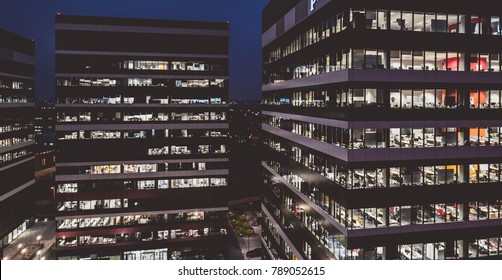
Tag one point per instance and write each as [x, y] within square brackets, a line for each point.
[410, 254]
[490, 212]
[372, 217]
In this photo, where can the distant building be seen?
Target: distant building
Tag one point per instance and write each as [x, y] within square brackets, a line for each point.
[45, 171]
[45, 123]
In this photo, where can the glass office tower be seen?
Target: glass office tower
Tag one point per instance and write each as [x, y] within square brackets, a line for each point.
[142, 138]
[17, 160]
[382, 128]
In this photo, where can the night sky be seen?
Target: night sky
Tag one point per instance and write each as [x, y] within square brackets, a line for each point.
[35, 19]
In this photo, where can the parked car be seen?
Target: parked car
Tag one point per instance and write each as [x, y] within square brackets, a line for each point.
[258, 252]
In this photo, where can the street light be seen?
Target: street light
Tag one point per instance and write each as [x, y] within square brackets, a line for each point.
[53, 189]
[38, 239]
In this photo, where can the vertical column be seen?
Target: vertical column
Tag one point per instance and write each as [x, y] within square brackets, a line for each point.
[386, 135]
[386, 96]
[468, 24]
[465, 209]
[465, 94]
[450, 249]
[388, 27]
[464, 247]
[386, 217]
[1, 249]
[387, 56]
[390, 252]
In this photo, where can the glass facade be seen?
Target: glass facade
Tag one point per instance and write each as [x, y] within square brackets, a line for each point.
[448, 98]
[142, 137]
[419, 60]
[17, 135]
[384, 19]
[404, 137]
[381, 149]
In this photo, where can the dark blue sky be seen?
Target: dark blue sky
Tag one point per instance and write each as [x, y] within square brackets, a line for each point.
[35, 19]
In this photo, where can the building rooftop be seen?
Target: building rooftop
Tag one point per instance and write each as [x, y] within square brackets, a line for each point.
[95, 20]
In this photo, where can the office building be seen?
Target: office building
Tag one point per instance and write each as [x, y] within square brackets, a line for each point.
[382, 125]
[142, 131]
[17, 165]
[45, 172]
[45, 122]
